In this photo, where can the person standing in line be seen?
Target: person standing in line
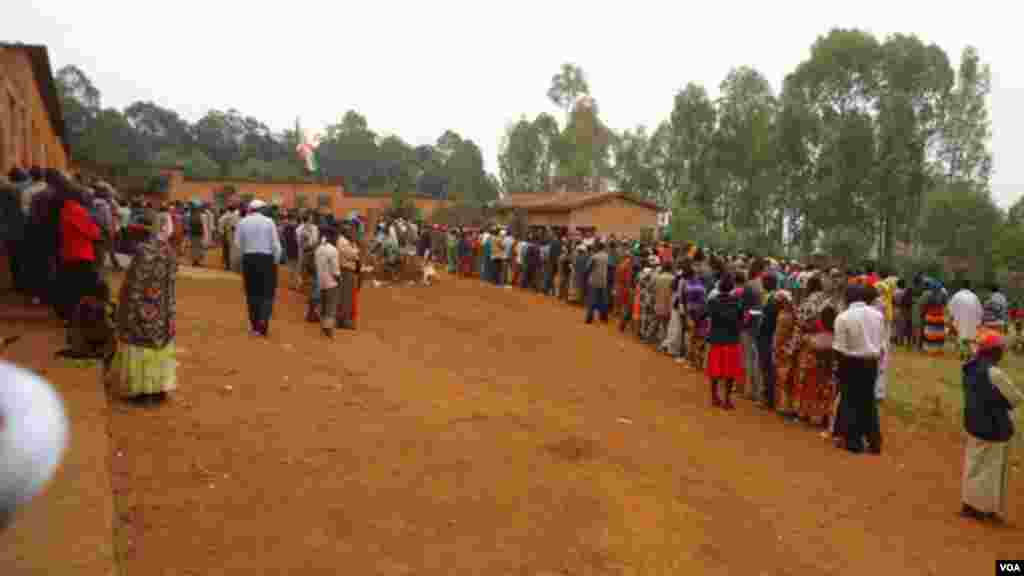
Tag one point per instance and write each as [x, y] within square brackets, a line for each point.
[348, 257]
[293, 252]
[624, 291]
[197, 235]
[752, 306]
[662, 303]
[597, 272]
[725, 361]
[260, 247]
[966, 310]
[227, 225]
[989, 400]
[328, 273]
[765, 339]
[996, 311]
[858, 336]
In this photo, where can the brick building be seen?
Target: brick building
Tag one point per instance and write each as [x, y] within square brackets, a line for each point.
[615, 213]
[31, 121]
[327, 198]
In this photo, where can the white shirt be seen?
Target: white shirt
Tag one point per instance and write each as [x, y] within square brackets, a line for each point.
[257, 234]
[860, 332]
[967, 312]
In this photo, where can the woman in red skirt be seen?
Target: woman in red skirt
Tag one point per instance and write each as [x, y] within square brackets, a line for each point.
[725, 361]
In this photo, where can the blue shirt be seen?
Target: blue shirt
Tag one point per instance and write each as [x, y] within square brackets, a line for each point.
[257, 234]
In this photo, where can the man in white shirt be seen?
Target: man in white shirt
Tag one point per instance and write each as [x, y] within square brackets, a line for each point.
[328, 272]
[260, 246]
[859, 341]
[967, 313]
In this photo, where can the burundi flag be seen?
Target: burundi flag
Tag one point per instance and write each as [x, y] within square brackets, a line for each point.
[306, 149]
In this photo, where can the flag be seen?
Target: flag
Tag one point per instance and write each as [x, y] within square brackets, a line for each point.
[306, 149]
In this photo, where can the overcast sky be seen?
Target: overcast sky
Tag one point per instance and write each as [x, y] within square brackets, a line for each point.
[418, 68]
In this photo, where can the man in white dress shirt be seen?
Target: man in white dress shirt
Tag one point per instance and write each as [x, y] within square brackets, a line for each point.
[967, 312]
[858, 339]
[260, 246]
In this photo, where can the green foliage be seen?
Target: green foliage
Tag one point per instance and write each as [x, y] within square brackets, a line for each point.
[157, 184]
[847, 244]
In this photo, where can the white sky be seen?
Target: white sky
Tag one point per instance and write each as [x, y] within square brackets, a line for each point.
[418, 68]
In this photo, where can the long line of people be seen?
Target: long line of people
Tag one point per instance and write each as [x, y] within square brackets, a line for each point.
[809, 342]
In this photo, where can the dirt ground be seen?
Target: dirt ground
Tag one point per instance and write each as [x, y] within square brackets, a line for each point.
[467, 429]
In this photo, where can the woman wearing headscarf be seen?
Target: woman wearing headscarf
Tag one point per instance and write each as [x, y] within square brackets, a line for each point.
[989, 400]
[785, 346]
[646, 288]
[933, 316]
[145, 365]
[815, 388]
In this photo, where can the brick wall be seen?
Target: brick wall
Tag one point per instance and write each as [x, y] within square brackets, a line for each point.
[288, 195]
[27, 137]
[615, 216]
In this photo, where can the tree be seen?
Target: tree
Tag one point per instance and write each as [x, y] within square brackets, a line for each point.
[635, 164]
[567, 86]
[744, 151]
[689, 168]
[158, 128]
[839, 83]
[960, 221]
[966, 132]
[915, 81]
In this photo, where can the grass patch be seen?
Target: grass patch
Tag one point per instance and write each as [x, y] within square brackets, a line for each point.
[927, 390]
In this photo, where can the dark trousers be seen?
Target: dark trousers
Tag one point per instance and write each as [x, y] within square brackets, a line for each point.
[226, 251]
[858, 411]
[75, 280]
[35, 260]
[259, 272]
[765, 352]
[499, 272]
[597, 299]
[14, 260]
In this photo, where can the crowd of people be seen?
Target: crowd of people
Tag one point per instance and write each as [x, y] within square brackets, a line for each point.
[811, 342]
[61, 235]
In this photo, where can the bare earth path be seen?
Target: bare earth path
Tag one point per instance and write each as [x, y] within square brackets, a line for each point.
[467, 429]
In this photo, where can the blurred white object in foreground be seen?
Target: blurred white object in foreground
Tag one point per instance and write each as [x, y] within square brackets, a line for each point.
[33, 436]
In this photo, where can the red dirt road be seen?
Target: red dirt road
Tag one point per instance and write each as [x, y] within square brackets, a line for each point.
[467, 429]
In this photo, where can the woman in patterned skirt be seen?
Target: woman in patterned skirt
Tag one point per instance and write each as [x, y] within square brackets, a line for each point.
[933, 315]
[813, 387]
[145, 366]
